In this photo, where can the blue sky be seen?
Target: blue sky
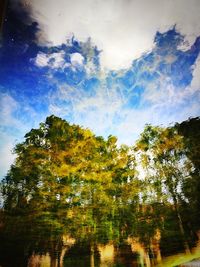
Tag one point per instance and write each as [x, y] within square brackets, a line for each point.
[98, 65]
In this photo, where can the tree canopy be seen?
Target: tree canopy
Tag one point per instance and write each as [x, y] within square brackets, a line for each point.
[68, 181]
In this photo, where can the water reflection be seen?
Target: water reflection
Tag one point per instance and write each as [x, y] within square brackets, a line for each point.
[46, 251]
[74, 199]
[27, 242]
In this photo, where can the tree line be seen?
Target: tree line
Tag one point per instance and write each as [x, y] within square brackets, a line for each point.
[67, 181]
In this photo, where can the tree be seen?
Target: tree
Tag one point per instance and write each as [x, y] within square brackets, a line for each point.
[70, 181]
[161, 151]
[190, 130]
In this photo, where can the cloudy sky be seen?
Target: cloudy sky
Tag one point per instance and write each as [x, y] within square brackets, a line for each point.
[110, 65]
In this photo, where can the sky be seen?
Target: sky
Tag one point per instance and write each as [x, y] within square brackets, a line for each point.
[108, 65]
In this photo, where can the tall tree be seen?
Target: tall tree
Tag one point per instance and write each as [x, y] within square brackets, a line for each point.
[71, 181]
[190, 130]
[162, 154]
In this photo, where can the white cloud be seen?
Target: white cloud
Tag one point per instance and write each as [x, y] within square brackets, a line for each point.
[104, 111]
[98, 112]
[14, 124]
[76, 59]
[123, 29]
[41, 60]
[195, 84]
[56, 60]
[53, 60]
[7, 157]
[8, 107]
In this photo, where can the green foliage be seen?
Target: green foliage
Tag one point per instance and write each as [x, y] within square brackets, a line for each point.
[190, 130]
[70, 179]
[66, 180]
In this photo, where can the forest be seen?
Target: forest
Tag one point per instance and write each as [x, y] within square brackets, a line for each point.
[69, 188]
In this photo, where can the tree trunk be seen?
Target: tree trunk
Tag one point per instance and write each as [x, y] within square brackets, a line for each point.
[92, 255]
[180, 223]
